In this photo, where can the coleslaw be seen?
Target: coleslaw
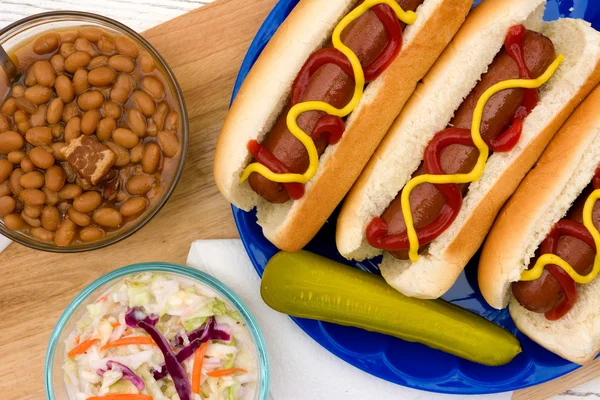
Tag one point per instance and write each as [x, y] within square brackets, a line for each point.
[143, 336]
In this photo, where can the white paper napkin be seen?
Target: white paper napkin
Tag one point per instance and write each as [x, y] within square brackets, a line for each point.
[300, 368]
[4, 242]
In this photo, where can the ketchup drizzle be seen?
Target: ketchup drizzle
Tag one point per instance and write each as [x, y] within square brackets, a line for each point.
[377, 230]
[330, 126]
[577, 230]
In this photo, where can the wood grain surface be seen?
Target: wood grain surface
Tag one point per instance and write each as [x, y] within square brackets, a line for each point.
[36, 287]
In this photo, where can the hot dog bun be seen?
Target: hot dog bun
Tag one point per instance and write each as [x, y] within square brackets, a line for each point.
[292, 225]
[429, 111]
[543, 198]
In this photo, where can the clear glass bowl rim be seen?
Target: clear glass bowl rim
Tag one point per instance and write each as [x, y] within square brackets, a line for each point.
[169, 76]
[162, 267]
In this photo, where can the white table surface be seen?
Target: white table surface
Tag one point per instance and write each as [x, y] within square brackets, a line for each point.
[144, 14]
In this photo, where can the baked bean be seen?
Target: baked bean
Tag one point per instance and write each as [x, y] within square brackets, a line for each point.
[144, 103]
[66, 49]
[6, 167]
[14, 222]
[30, 78]
[42, 234]
[80, 81]
[55, 111]
[125, 46]
[146, 62]
[10, 141]
[125, 138]
[112, 110]
[46, 44]
[106, 44]
[70, 191]
[151, 158]
[79, 218]
[65, 233]
[105, 128]
[23, 127]
[68, 36]
[87, 202]
[5, 189]
[90, 121]
[52, 198]
[44, 73]
[26, 105]
[98, 61]
[91, 100]
[122, 89]
[139, 184]
[41, 158]
[37, 94]
[50, 218]
[27, 166]
[58, 63]
[13, 181]
[20, 116]
[90, 33]
[137, 122]
[39, 136]
[82, 44]
[108, 217]
[63, 205]
[160, 115]
[39, 118]
[32, 196]
[7, 205]
[55, 178]
[121, 196]
[79, 59]
[32, 211]
[137, 153]
[134, 206]
[168, 143]
[18, 90]
[123, 157]
[56, 151]
[121, 63]
[15, 157]
[32, 180]
[4, 123]
[101, 76]
[153, 87]
[90, 234]
[9, 107]
[64, 89]
[70, 111]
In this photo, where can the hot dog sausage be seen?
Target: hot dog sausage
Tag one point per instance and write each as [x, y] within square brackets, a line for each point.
[545, 293]
[425, 200]
[367, 38]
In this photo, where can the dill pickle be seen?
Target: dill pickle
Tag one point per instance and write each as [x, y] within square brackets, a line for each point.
[306, 285]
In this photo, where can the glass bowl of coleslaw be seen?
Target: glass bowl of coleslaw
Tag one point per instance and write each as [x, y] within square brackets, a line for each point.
[157, 331]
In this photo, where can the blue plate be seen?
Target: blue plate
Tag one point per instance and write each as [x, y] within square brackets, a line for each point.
[410, 364]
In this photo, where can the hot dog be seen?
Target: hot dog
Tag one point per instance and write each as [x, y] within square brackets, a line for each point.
[548, 228]
[463, 142]
[367, 39]
[301, 65]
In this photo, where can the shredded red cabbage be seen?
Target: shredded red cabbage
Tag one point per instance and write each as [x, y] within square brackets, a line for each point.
[139, 319]
[128, 374]
[134, 315]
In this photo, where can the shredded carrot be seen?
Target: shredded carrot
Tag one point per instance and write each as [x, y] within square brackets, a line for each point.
[225, 372]
[102, 299]
[127, 332]
[197, 370]
[115, 324]
[77, 338]
[82, 348]
[127, 341]
[121, 397]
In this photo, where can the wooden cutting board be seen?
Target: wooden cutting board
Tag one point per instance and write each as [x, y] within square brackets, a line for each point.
[36, 287]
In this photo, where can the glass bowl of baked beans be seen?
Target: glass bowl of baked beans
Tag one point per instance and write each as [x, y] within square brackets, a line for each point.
[93, 133]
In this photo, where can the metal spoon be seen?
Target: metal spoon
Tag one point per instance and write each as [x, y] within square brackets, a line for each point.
[10, 69]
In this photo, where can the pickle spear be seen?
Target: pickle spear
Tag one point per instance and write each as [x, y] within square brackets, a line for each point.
[309, 286]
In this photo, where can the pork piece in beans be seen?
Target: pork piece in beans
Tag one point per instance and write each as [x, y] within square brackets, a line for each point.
[88, 137]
